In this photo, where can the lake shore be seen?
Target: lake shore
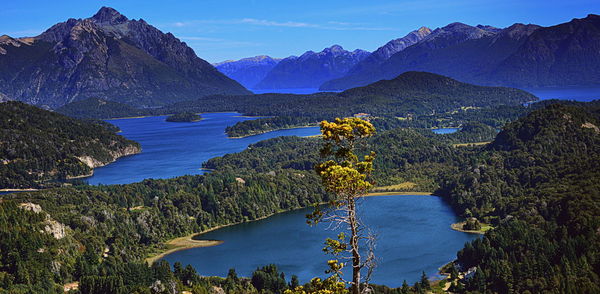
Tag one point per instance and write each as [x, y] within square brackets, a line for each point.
[398, 194]
[273, 130]
[183, 243]
[19, 190]
[459, 227]
[187, 242]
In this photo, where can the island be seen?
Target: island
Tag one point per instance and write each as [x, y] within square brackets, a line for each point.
[184, 117]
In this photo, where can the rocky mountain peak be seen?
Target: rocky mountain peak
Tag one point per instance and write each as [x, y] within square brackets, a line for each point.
[518, 31]
[334, 48]
[108, 15]
[489, 28]
[453, 33]
[422, 31]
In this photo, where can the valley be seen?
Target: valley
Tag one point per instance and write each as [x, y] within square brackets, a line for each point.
[339, 148]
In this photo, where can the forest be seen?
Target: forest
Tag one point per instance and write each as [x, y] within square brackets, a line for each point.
[38, 146]
[536, 183]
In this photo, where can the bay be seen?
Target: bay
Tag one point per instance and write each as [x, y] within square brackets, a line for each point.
[413, 235]
[171, 149]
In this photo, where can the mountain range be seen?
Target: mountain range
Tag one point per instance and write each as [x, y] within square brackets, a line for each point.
[520, 55]
[248, 71]
[106, 56]
[311, 69]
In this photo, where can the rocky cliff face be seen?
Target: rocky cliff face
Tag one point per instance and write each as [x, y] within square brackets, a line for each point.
[127, 150]
[106, 56]
[311, 69]
[114, 154]
[248, 71]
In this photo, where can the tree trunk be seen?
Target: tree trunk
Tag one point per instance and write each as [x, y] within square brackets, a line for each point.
[354, 245]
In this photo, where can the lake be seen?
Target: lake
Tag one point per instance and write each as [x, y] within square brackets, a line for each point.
[171, 149]
[567, 93]
[289, 91]
[413, 235]
[442, 131]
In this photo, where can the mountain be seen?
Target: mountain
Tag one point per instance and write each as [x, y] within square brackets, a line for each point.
[38, 145]
[439, 93]
[106, 56]
[563, 55]
[311, 69]
[390, 48]
[518, 56]
[441, 38]
[248, 71]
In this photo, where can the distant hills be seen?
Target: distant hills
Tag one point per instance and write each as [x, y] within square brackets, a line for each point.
[106, 56]
[411, 93]
[248, 71]
[311, 69]
[520, 55]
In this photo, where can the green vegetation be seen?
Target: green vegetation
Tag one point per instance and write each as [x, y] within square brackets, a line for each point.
[184, 117]
[538, 183]
[100, 109]
[37, 146]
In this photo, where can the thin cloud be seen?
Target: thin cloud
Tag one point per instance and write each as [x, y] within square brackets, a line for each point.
[24, 33]
[270, 23]
[331, 25]
[201, 39]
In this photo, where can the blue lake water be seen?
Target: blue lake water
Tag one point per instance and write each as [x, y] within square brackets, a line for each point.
[172, 149]
[569, 93]
[413, 235]
[445, 130]
[287, 91]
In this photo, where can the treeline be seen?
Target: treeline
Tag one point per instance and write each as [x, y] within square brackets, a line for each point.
[37, 146]
[539, 183]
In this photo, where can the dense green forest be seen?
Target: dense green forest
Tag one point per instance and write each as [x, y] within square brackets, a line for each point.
[536, 182]
[105, 232]
[183, 117]
[539, 183]
[38, 145]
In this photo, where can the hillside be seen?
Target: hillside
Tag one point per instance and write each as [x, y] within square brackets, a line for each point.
[248, 71]
[99, 109]
[538, 182]
[106, 56]
[39, 146]
[311, 69]
[439, 93]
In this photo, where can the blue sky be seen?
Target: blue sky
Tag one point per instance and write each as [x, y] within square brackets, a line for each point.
[233, 29]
